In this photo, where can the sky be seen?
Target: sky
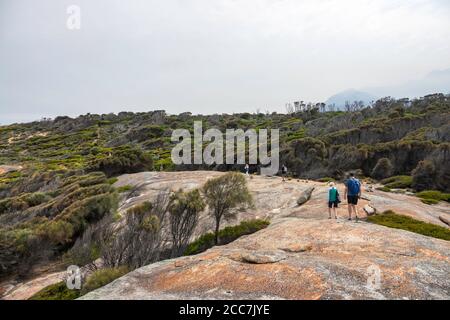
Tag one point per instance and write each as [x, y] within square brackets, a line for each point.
[209, 56]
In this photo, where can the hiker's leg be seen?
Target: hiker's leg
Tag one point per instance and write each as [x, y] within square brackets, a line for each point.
[349, 211]
[335, 212]
[329, 213]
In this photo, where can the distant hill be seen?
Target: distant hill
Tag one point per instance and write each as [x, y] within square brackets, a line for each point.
[437, 81]
[350, 95]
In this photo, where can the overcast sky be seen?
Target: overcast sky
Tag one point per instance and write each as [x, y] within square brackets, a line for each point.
[209, 56]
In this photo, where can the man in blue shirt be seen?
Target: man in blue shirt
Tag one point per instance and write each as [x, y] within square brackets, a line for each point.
[352, 193]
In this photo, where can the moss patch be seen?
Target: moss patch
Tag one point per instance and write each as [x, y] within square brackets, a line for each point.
[57, 291]
[393, 220]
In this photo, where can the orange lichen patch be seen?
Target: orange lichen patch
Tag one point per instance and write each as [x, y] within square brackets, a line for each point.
[276, 279]
[398, 281]
[433, 254]
[209, 256]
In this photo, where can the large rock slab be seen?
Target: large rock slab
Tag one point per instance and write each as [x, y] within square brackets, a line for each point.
[338, 265]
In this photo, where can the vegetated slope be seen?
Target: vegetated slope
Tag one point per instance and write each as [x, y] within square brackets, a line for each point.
[276, 201]
[67, 165]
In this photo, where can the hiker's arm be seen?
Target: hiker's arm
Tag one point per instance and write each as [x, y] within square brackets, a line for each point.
[345, 192]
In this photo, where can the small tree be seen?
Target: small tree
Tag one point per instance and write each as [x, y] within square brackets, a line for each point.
[139, 239]
[223, 194]
[184, 209]
[424, 176]
[382, 169]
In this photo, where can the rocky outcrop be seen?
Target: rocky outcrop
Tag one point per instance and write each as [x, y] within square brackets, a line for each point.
[301, 255]
[339, 265]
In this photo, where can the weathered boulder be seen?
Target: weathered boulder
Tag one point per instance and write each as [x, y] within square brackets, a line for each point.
[305, 196]
[369, 210]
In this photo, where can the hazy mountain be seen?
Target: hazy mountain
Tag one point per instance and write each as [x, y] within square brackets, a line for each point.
[351, 95]
[437, 81]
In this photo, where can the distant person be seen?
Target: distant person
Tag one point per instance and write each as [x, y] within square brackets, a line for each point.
[283, 171]
[246, 168]
[333, 200]
[352, 193]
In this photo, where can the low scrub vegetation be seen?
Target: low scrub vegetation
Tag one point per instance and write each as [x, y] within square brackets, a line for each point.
[393, 220]
[397, 182]
[226, 235]
[101, 278]
[433, 196]
[57, 291]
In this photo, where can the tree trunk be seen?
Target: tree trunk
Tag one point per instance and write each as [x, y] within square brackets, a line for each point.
[216, 233]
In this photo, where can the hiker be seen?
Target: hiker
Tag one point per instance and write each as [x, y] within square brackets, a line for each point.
[333, 200]
[352, 193]
[246, 168]
[283, 171]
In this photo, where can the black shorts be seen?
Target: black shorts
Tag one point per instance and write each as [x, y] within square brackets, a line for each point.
[352, 199]
[332, 204]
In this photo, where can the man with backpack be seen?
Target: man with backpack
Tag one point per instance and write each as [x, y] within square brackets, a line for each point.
[352, 193]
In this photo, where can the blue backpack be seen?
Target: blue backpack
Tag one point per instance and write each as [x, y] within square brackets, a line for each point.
[353, 186]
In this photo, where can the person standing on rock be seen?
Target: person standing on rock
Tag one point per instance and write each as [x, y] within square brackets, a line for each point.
[333, 200]
[283, 171]
[352, 193]
[246, 168]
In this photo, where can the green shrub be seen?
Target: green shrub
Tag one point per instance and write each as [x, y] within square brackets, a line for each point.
[226, 235]
[429, 201]
[385, 189]
[397, 182]
[393, 220]
[113, 180]
[433, 196]
[125, 188]
[424, 176]
[102, 277]
[57, 291]
[124, 159]
[382, 169]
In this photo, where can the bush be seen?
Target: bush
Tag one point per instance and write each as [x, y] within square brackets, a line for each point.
[397, 182]
[384, 189]
[393, 220]
[123, 160]
[433, 196]
[125, 188]
[424, 176]
[139, 240]
[102, 277]
[57, 291]
[382, 169]
[184, 208]
[226, 235]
